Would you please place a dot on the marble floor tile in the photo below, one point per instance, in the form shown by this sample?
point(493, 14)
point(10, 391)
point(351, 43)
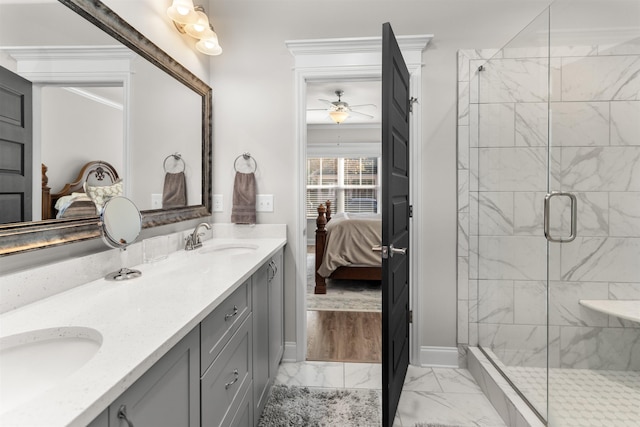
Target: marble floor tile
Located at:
point(456, 381)
point(421, 379)
point(312, 374)
point(458, 409)
point(430, 395)
point(363, 375)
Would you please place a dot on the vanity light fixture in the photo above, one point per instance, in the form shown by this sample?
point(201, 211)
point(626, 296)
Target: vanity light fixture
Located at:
point(193, 21)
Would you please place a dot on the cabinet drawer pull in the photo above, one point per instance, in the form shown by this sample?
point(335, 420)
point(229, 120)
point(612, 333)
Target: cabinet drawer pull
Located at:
point(229, 316)
point(229, 384)
point(122, 415)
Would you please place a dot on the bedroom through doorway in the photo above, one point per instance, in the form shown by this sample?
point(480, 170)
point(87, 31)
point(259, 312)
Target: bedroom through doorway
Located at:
point(343, 166)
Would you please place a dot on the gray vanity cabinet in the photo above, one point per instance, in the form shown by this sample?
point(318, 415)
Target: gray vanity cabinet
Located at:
point(268, 336)
point(226, 385)
point(276, 313)
point(226, 361)
point(168, 394)
point(260, 339)
point(220, 374)
point(101, 420)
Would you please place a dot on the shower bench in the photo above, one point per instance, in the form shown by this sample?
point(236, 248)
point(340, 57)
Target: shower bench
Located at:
point(625, 309)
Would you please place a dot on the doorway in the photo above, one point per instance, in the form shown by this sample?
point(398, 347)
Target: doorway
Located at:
point(343, 167)
point(324, 60)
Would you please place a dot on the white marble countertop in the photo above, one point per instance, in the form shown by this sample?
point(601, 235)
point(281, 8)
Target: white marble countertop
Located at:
point(139, 320)
point(625, 309)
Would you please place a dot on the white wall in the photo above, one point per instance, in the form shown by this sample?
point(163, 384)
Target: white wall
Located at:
point(254, 94)
point(93, 132)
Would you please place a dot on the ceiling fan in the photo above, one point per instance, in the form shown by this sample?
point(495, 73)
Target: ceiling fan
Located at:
point(339, 110)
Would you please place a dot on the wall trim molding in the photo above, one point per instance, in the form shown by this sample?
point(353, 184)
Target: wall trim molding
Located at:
point(290, 353)
point(441, 357)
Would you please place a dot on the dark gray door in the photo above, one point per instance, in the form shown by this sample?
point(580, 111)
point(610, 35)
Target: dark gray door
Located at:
point(15, 148)
point(395, 223)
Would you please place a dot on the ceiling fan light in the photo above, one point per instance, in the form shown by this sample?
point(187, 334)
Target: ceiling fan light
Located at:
point(338, 116)
point(183, 12)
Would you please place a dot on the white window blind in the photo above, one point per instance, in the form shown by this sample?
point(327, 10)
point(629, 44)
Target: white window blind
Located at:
point(351, 184)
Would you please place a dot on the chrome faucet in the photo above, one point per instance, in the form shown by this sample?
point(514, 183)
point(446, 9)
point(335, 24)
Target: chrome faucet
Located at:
point(193, 240)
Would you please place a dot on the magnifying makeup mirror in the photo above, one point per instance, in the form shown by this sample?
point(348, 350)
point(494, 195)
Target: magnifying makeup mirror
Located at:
point(121, 225)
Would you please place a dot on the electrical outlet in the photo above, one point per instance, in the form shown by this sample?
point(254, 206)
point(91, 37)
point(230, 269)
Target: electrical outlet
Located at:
point(264, 203)
point(156, 201)
point(217, 203)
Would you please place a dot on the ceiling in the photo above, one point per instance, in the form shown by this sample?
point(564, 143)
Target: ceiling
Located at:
point(355, 93)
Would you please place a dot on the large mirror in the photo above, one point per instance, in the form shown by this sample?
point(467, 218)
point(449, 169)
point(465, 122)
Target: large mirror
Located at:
point(106, 99)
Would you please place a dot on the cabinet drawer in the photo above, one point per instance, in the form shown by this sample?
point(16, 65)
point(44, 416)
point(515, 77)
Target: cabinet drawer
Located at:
point(227, 381)
point(244, 415)
point(221, 324)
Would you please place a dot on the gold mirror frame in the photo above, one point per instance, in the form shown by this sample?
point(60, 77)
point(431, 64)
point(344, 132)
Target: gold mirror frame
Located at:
point(21, 237)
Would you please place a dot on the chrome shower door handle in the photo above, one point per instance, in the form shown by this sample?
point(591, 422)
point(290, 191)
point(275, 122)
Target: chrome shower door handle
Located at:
point(547, 214)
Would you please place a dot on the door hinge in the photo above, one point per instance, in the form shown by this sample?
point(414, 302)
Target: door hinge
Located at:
point(412, 101)
point(410, 316)
point(410, 211)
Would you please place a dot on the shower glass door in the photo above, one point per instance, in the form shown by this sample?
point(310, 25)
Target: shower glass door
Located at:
point(594, 358)
point(555, 191)
point(511, 106)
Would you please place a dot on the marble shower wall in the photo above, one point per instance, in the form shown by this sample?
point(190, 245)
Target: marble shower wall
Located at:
point(504, 164)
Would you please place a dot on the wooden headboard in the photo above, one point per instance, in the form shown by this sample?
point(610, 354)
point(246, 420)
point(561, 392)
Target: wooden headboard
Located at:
point(97, 172)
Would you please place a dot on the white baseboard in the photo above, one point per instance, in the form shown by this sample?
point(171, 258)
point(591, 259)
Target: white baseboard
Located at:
point(290, 352)
point(440, 357)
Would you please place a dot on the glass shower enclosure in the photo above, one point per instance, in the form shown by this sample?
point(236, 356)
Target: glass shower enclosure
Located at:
point(554, 212)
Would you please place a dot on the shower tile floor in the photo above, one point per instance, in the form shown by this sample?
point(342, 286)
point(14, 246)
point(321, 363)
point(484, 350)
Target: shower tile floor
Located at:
point(583, 397)
point(439, 396)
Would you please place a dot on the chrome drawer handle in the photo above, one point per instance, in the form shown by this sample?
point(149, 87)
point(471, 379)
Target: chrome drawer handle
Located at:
point(122, 415)
point(229, 384)
point(229, 316)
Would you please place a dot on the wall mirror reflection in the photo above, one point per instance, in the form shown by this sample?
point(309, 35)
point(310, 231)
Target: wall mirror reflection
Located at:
point(87, 89)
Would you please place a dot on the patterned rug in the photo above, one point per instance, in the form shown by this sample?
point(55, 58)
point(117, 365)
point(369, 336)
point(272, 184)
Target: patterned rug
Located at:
point(343, 295)
point(301, 406)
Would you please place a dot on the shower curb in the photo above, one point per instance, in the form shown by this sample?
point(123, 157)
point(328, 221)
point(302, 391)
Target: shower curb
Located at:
point(512, 408)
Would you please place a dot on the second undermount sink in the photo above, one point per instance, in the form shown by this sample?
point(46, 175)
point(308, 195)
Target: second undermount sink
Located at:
point(230, 248)
point(35, 361)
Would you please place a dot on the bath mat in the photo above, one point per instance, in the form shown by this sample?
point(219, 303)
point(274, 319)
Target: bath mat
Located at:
point(343, 295)
point(302, 406)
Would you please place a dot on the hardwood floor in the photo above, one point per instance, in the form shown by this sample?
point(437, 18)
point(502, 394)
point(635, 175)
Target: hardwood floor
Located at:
point(344, 336)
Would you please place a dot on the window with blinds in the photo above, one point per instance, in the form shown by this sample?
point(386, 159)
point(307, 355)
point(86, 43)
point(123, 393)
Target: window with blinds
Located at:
point(351, 184)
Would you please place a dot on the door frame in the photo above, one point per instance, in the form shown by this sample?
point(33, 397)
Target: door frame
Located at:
point(354, 59)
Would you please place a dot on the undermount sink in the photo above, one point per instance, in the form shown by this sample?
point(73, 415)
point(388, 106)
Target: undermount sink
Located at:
point(35, 361)
point(230, 248)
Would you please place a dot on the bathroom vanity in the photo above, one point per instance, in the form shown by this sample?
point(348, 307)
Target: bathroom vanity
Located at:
point(196, 340)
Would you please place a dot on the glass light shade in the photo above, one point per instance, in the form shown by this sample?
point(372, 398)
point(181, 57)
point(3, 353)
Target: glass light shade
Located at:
point(199, 28)
point(209, 43)
point(182, 11)
point(209, 47)
point(338, 116)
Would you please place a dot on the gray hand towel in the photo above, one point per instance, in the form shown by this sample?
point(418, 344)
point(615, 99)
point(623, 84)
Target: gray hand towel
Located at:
point(174, 194)
point(244, 199)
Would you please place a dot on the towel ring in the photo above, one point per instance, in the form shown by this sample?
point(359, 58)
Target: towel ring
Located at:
point(177, 157)
point(246, 157)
